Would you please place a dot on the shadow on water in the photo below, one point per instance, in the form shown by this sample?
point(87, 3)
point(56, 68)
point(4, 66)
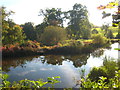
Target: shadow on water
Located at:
point(78, 61)
point(67, 67)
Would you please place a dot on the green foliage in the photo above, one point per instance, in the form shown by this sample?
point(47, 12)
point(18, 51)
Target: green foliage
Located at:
point(114, 30)
point(53, 80)
point(29, 43)
point(105, 28)
point(79, 25)
point(29, 31)
point(107, 70)
point(109, 31)
point(111, 66)
point(99, 39)
point(26, 83)
point(53, 35)
point(73, 43)
point(95, 73)
point(85, 27)
point(118, 34)
point(40, 29)
point(53, 16)
point(94, 31)
point(118, 63)
point(101, 83)
point(11, 32)
point(102, 77)
point(110, 34)
point(17, 50)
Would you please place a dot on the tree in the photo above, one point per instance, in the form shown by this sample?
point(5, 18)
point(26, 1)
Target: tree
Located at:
point(85, 27)
point(40, 29)
point(94, 31)
point(53, 35)
point(105, 28)
point(78, 21)
point(110, 34)
point(29, 31)
point(99, 39)
point(118, 35)
point(11, 32)
point(53, 16)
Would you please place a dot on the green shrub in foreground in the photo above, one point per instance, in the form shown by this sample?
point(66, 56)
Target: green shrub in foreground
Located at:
point(25, 84)
point(101, 83)
point(107, 70)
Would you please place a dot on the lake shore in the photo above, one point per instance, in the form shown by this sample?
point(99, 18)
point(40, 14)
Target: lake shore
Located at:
point(56, 50)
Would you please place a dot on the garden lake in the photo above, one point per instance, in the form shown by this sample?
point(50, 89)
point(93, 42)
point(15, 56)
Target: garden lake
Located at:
point(67, 67)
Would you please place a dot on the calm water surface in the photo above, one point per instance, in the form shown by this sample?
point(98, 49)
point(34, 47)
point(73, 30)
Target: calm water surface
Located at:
point(67, 67)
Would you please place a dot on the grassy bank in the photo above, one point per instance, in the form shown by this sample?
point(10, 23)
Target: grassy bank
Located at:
point(64, 48)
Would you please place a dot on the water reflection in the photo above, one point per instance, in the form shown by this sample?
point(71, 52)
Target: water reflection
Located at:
point(67, 67)
point(8, 63)
point(98, 52)
point(78, 61)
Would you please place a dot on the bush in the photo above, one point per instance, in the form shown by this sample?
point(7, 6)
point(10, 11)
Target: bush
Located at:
point(118, 36)
point(73, 43)
point(110, 34)
point(107, 70)
point(95, 73)
point(53, 35)
point(29, 43)
point(111, 67)
point(99, 39)
point(101, 84)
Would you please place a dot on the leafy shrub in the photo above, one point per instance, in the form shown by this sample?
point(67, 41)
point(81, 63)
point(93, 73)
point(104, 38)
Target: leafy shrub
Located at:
point(95, 73)
point(113, 82)
point(29, 43)
point(110, 34)
point(118, 63)
point(94, 31)
point(99, 39)
point(107, 70)
point(25, 84)
point(111, 67)
point(53, 35)
point(17, 50)
point(73, 43)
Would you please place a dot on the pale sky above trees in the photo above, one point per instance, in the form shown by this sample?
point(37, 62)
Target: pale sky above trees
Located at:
point(28, 10)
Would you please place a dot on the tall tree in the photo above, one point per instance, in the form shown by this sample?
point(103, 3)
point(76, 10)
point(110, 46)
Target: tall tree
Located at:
point(78, 20)
point(105, 28)
point(110, 34)
point(29, 31)
point(11, 32)
point(40, 29)
point(53, 16)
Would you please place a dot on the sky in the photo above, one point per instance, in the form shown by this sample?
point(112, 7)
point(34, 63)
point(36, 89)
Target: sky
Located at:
point(28, 10)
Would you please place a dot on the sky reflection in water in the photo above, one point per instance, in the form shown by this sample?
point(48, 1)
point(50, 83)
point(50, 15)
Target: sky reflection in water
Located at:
point(67, 67)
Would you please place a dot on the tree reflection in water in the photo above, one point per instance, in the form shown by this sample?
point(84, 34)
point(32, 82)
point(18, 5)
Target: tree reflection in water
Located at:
point(8, 63)
point(78, 61)
point(98, 53)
